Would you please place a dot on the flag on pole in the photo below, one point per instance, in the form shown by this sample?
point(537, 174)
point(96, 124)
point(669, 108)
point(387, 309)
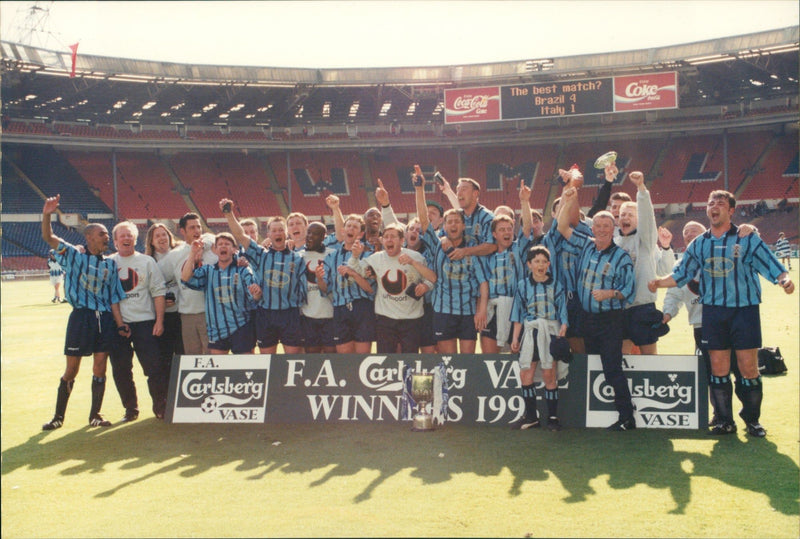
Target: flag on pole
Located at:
point(74, 49)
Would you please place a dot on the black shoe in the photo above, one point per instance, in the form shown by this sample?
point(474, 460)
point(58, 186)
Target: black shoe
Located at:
point(723, 427)
point(623, 424)
point(63, 300)
point(54, 423)
point(553, 424)
point(131, 414)
point(99, 421)
point(756, 430)
point(525, 423)
point(54, 300)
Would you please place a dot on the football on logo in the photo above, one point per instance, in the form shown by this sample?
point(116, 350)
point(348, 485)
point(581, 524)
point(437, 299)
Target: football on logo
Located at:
point(209, 404)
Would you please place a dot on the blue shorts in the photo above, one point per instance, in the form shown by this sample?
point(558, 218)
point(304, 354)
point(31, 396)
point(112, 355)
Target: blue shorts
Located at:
point(639, 322)
point(241, 341)
point(354, 322)
point(731, 328)
point(317, 331)
point(454, 326)
point(278, 326)
point(574, 316)
point(89, 332)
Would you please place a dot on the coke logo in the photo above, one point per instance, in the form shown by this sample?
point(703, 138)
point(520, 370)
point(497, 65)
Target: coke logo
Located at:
point(635, 89)
point(471, 103)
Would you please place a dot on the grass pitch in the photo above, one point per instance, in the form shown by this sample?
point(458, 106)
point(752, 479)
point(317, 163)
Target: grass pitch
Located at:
point(338, 479)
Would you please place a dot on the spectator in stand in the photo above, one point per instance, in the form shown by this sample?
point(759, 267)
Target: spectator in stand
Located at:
point(281, 274)
point(94, 291)
point(158, 243)
point(457, 317)
point(191, 302)
point(727, 267)
point(783, 250)
point(56, 277)
point(224, 285)
point(143, 318)
point(402, 278)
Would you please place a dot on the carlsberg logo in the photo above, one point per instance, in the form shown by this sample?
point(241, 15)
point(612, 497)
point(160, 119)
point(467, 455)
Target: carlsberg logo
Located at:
point(197, 385)
point(649, 394)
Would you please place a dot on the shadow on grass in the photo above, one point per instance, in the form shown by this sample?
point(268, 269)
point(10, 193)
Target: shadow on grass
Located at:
point(574, 457)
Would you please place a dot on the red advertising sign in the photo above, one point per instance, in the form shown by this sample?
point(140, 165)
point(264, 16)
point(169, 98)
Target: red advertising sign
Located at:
point(472, 105)
point(646, 92)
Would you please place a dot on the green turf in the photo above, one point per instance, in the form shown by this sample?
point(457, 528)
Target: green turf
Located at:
point(338, 479)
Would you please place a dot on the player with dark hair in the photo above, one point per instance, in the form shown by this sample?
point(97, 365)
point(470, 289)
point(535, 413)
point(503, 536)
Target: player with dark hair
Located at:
point(413, 237)
point(316, 314)
point(143, 315)
point(281, 274)
point(93, 289)
point(351, 293)
point(225, 285)
point(605, 283)
point(191, 303)
point(727, 267)
point(540, 308)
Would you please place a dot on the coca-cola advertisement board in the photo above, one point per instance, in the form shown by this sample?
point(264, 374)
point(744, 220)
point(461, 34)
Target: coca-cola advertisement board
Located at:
point(646, 92)
point(472, 105)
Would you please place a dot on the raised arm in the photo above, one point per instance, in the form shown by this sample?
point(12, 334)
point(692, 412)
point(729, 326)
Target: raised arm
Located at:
point(604, 193)
point(569, 203)
point(332, 201)
point(419, 198)
point(525, 208)
point(382, 196)
point(50, 206)
point(226, 205)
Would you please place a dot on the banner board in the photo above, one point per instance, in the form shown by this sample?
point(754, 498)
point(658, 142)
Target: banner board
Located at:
point(669, 391)
point(602, 95)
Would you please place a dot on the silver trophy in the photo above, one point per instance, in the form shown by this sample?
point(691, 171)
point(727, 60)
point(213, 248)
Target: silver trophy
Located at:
point(422, 393)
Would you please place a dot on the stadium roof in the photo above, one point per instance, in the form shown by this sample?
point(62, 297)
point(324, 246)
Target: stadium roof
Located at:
point(105, 90)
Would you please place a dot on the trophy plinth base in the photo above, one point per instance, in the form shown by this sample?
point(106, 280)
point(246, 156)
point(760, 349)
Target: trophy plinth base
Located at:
point(422, 422)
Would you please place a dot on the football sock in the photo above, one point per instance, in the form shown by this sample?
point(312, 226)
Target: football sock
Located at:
point(98, 390)
point(721, 393)
point(752, 394)
point(529, 397)
point(64, 391)
point(551, 397)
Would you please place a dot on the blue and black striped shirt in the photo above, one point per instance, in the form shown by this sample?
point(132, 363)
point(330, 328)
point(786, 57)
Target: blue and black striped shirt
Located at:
point(225, 293)
point(534, 300)
point(609, 269)
point(728, 267)
point(343, 289)
point(458, 281)
point(281, 275)
point(91, 281)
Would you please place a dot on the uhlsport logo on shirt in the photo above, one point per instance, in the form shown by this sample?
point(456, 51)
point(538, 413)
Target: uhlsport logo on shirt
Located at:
point(222, 389)
point(665, 393)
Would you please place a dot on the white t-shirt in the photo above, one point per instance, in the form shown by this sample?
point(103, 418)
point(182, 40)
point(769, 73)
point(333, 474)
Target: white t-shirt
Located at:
point(393, 279)
point(318, 305)
point(142, 281)
point(189, 301)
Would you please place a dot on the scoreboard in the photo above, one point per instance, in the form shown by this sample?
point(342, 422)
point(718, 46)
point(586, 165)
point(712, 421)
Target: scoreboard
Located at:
point(562, 98)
